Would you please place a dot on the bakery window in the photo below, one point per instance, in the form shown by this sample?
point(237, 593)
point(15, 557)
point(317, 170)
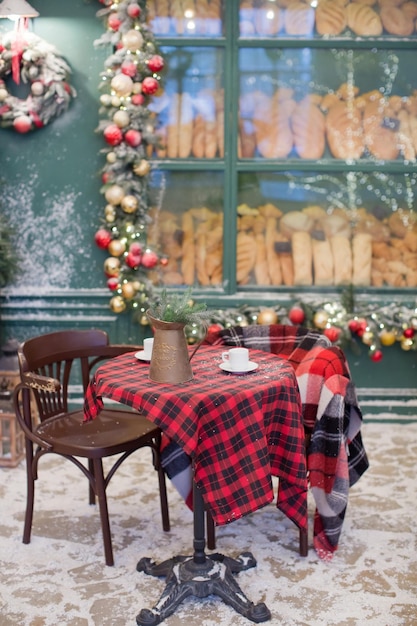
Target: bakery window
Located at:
point(190, 108)
point(327, 18)
point(333, 103)
point(185, 18)
point(187, 227)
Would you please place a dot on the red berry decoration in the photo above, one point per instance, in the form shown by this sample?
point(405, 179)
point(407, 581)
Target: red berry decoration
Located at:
point(150, 85)
point(135, 248)
point(133, 10)
point(113, 135)
point(23, 124)
point(149, 259)
point(296, 315)
point(332, 333)
point(114, 22)
point(409, 333)
point(128, 68)
point(113, 283)
point(376, 356)
point(102, 238)
point(132, 260)
point(137, 99)
point(133, 138)
point(156, 63)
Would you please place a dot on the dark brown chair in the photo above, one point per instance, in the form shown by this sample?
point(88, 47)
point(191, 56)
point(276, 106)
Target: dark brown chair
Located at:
point(46, 365)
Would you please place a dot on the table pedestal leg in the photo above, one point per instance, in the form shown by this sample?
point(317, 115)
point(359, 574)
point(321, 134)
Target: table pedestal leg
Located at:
point(200, 575)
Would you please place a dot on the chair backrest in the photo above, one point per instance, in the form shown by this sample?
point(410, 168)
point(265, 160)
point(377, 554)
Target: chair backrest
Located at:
point(46, 363)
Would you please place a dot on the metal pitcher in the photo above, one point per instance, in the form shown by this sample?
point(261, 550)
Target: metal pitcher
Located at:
point(170, 361)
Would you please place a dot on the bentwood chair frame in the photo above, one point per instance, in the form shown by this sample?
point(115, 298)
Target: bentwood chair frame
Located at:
point(46, 365)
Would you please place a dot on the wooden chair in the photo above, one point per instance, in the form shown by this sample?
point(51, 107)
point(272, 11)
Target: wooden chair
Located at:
point(46, 364)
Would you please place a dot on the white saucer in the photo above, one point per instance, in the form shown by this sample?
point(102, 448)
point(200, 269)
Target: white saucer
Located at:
point(250, 367)
point(141, 356)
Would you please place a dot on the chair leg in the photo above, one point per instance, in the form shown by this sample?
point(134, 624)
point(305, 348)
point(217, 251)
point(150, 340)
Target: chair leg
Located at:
point(303, 542)
point(211, 532)
point(163, 499)
point(31, 475)
point(104, 513)
point(91, 494)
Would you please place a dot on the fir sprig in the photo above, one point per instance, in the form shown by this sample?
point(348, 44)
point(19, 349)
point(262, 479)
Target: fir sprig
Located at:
point(9, 261)
point(180, 308)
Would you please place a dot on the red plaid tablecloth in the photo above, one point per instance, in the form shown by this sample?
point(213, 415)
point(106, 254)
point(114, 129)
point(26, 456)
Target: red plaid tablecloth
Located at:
point(238, 430)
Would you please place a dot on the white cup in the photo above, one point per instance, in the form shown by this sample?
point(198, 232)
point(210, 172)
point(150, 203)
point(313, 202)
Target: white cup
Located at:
point(237, 358)
point(148, 347)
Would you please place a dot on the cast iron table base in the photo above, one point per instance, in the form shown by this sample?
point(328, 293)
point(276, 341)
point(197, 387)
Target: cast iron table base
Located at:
point(200, 575)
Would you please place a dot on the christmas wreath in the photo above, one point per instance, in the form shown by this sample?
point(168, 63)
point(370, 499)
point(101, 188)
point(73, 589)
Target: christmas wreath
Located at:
point(35, 61)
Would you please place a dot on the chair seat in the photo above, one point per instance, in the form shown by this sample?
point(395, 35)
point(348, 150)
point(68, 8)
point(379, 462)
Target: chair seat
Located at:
point(108, 434)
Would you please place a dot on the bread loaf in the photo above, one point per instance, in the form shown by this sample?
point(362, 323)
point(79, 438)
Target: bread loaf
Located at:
point(272, 127)
point(330, 18)
point(344, 131)
point(380, 130)
point(302, 254)
point(362, 260)
point(396, 21)
point(274, 265)
point(172, 127)
point(299, 19)
point(295, 221)
point(246, 256)
point(269, 20)
point(322, 262)
point(363, 20)
point(342, 259)
point(261, 261)
point(308, 127)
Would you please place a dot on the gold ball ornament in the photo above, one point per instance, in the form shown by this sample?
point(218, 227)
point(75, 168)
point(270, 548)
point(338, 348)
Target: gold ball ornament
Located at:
point(129, 204)
point(368, 338)
point(320, 319)
point(144, 321)
point(111, 157)
point(37, 88)
point(128, 291)
point(110, 214)
point(413, 323)
point(115, 102)
point(137, 88)
point(116, 247)
point(142, 168)
point(114, 194)
point(3, 94)
point(387, 337)
point(121, 118)
point(112, 266)
point(266, 317)
point(132, 40)
point(117, 304)
point(122, 85)
point(406, 344)
point(105, 99)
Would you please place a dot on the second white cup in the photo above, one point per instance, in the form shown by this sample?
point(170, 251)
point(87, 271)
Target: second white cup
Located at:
point(148, 347)
point(238, 358)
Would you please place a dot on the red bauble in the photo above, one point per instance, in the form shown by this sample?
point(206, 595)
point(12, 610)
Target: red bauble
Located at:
point(409, 333)
point(156, 63)
point(23, 124)
point(332, 333)
point(128, 68)
point(358, 326)
point(102, 238)
point(113, 135)
point(114, 22)
point(133, 260)
point(150, 85)
point(137, 99)
point(149, 259)
point(133, 10)
point(213, 332)
point(376, 355)
point(113, 283)
point(106, 177)
point(133, 138)
point(296, 315)
point(135, 249)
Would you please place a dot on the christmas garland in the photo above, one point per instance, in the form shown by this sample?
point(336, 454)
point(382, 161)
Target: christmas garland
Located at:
point(130, 78)
point(37, 62)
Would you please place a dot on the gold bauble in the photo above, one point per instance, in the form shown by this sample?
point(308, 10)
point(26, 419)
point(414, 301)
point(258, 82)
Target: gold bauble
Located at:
point(267, 317)
point(128, 291)
point(115, 102)
point(112, 266)
point(122, 85)
point(114, 194)
point(111, 157)
point(117, 304)
point(116, 247)
point(368, 337)
point(142, 168)
point(137, 285)
point(132, 40)
point(105, 99)
point(129, 204)
point(406, 344)
point(110, 214)
point(121, 118)
point(144, 321)
point(387, 337)
point(320, 319)
point(137, 88)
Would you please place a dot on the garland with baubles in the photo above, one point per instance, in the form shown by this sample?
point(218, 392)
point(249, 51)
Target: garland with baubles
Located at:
point(38, 63)
point(132, 75)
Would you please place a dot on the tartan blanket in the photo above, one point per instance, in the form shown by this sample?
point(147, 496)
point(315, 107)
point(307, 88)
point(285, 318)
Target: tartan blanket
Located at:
point(336, 457)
